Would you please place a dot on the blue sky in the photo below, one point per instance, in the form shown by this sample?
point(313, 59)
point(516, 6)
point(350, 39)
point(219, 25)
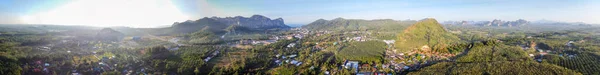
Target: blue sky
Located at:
point(296, 11)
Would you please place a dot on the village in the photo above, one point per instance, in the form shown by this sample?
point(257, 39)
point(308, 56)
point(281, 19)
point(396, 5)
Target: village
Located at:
point(318, 41)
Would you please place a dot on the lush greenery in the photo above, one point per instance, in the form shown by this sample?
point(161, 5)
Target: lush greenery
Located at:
point(493, 58)
point(368, 51)
point(340, 24)
point(427, 32)
point(494, 68)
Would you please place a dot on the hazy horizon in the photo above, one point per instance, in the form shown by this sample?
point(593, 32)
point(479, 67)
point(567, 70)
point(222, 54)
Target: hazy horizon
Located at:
point(158, 13)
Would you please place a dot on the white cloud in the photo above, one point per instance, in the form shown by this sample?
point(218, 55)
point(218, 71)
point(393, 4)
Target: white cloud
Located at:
point(103, 13)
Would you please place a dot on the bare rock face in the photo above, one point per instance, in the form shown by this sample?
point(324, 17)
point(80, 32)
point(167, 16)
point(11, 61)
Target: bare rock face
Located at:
point(218, 25)
point(254, 22)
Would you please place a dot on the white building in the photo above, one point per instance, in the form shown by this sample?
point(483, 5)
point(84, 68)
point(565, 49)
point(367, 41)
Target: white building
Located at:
point(291, 45)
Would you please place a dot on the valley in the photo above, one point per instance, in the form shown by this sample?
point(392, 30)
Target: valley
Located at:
point(260, 45)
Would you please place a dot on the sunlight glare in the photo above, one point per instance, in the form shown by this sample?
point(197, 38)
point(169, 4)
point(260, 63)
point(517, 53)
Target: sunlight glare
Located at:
point(105, 13)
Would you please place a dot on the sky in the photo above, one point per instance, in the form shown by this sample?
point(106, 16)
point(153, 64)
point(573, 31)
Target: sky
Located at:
point(155, 13)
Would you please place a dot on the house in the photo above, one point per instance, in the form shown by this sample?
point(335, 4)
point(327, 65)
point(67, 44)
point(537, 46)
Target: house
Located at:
point(358, 39)
point(389, 41)
point(351, 65)
point(298, 36)
point(215, 53)
point(531, 55)
point(265, 42)
point(45, 48)
point(298, 64)
point(289, 37)
point(294, 62)
point(291, 45)
point(245, 42)
point(207, 59)
point(571, 56)
point(570, 43)
point(274, 38)
point(385, 65)
point(405, 67)
point(543, 53)
point(278, 62)
point(292, 56)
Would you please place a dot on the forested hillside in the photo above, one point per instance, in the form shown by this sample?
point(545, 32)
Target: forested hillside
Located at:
point(494, 58)
point(341, 24)
point(427, 35)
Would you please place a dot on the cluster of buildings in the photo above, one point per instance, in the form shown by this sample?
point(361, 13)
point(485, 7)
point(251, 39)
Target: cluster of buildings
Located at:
point(289, 59)
point(358, 38)
point(364, 69)
point(541, 52)
point(256, 42)
point(39, 66)
point(214, 54)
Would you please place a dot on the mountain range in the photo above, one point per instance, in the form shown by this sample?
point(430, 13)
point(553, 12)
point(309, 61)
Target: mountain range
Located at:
point(341, 24)
point(516, 23)
point(494, 22)
point(218, 25)
point(254, 22)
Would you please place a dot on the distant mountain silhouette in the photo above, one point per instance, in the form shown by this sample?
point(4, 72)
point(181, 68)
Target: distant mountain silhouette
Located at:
point(108, 34)
point(340, 24)
point(218, 25)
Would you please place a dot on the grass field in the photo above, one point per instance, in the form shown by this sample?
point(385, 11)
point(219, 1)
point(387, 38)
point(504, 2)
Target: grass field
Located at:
point(368, 51)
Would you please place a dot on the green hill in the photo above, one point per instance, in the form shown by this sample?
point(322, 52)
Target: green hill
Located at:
point(494, 58)
point(108, 34)
point(427, 32)
point(340, 24)
point(206, 24)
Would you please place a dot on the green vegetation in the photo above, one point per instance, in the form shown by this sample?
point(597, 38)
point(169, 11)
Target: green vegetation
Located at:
point(9, 63)
point(204, 37)
point(490, 51)
point(210, 47)
point(340, 24)
point(494, 68)
point(368, 51)
point(586, 63)
point(427, 32)
point(494, 58)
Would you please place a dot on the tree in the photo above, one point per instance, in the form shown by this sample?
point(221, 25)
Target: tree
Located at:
point(196, 71)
